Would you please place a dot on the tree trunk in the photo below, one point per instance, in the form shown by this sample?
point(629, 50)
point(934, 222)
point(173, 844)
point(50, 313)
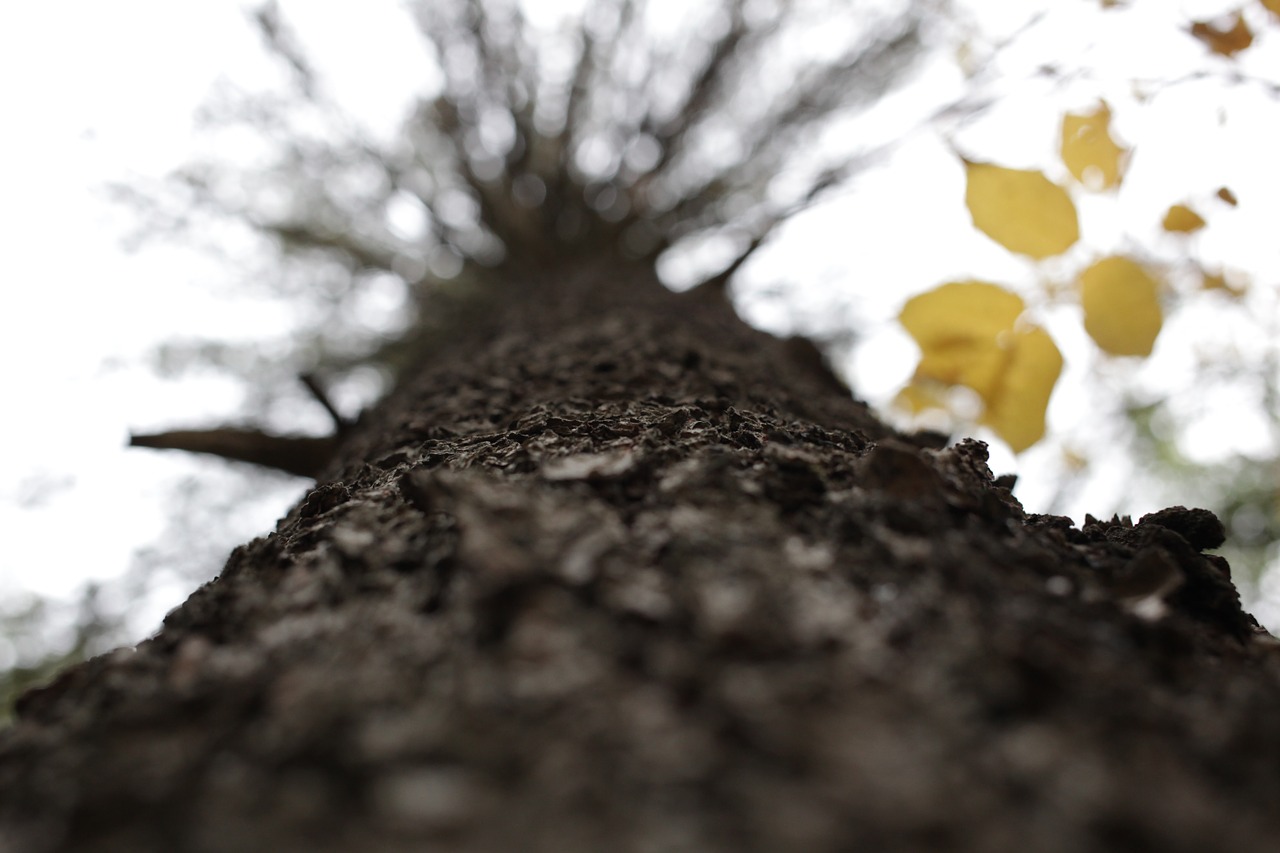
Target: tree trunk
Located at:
point(616, 572)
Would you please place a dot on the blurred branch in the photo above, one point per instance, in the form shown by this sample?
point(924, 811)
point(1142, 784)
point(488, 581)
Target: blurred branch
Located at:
point(707, 85)
point(281, 42)
point(515, 165)
point(305, 456)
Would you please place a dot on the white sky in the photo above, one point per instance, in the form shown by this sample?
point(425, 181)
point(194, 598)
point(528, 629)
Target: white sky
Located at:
point(96, 92)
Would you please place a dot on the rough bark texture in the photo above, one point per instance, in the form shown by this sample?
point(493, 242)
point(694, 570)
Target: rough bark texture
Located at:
point(617, 573)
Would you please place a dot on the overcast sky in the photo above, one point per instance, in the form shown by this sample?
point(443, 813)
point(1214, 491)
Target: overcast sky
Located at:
point(99, 92)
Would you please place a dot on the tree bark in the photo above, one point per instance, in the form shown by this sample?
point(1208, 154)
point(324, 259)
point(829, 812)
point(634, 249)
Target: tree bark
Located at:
point(616, 572)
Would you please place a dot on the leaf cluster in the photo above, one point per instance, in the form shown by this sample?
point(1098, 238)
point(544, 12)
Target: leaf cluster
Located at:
point(978, 335)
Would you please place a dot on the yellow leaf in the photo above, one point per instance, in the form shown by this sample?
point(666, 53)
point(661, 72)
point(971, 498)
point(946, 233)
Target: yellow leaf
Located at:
point(1224, 193)
point(1224, 41)
point(1213, 281)
point(1016, 411)
point(958, 327)
point(1121, 306)
point(918, 396)
point(1181, 219)
point(1272, 6)
point(1218, 281)
point(1021, 210)
point(968, 335)
point(983, 309)
point(1090, 154)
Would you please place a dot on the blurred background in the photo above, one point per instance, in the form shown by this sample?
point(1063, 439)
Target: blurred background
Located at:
point(202, 201)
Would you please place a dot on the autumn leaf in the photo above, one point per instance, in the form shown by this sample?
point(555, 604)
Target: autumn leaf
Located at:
point(1224, 193)
point(1213, 281)
point(1017, 411)
point(1090, 154)
point(969, 335)
point(1272, 6)
point(1218, 281)
point(1226, 42)
point(1181, 219)
point(1121, 306)
point(958, 327)
point(1021, 210)
point(919, 396)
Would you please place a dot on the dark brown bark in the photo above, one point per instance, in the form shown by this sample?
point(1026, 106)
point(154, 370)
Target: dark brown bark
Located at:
point(618, 573)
